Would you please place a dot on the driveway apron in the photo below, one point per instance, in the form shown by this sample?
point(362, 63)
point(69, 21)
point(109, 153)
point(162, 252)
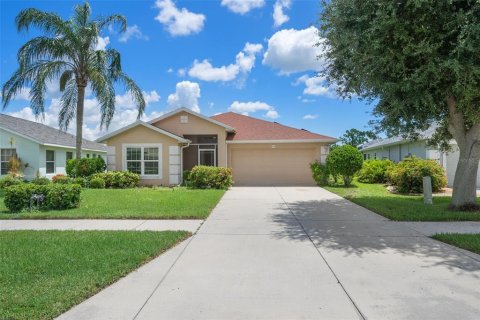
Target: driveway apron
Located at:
point(296, 253)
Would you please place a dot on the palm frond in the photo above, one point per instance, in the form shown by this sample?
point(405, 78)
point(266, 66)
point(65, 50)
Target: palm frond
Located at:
point(64, 78)
point(44, 48)
point(112, 20)
point(68, 109)
point(134, 89)
point(82, 14)
point(50, 22)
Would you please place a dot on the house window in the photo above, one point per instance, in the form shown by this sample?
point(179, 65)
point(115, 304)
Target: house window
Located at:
point(143, 160)
point(68, 156)
point(206, 157)
point(50, 161)
point(5, 156)
point(88, 155)
point(375, 155)
point(183, 119)
point(364, 156)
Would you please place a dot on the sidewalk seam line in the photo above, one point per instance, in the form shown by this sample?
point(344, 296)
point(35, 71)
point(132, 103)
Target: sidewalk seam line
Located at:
point(356, 307)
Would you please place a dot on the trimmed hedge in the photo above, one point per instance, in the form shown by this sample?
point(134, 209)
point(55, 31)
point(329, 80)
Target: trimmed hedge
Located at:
point(345, 161)
point(60, 179)
point(56, 196)
point(207, 177)
point(97, 183)
point(320, 173)
point(85, 167)
point(8, 181)
point(41, 181)
point(408, 175)
point(374, 171)
point(118, 179)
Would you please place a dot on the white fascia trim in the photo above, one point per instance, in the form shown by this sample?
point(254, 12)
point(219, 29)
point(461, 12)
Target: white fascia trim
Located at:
point(391, 144)
point(283, 141)
point(167, 115)
point(146, 125)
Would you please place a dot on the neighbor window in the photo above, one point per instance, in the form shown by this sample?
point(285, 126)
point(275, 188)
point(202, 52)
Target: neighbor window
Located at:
point(5, 156)
point(364, 156)
point(183, 119)
point(143, 160)
point(50, 161)
point(68, 156)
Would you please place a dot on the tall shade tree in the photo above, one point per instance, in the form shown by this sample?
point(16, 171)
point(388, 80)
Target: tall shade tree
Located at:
point(68, 53)
point(419, 61)
point(356, 138)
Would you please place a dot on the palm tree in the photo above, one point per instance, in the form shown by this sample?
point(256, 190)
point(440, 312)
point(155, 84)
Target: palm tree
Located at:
point(68, 54)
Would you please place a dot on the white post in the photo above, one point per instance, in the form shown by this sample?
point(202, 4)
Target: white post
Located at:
point(427, 190)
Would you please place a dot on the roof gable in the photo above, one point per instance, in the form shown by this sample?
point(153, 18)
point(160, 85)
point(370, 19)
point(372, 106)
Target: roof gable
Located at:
point(253, 129)
point(45, 135)
point(141, 123)
point(201, 116)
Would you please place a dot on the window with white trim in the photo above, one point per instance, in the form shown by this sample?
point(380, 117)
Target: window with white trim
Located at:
point(143, 160)
point(5, 156)
point(49, 161)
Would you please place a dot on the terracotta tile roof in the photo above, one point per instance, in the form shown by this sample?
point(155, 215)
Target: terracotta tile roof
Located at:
point(248, 128)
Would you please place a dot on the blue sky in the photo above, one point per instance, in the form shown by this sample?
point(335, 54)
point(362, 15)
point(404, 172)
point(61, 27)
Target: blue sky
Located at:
point(211, 56)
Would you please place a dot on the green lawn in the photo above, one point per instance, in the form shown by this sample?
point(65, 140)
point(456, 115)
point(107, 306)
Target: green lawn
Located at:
point(44, 273)
point(469, 242)
point(140, 203)
point(401, 207)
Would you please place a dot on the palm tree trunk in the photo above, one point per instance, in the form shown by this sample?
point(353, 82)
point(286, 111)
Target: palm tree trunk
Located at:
point(80, 103)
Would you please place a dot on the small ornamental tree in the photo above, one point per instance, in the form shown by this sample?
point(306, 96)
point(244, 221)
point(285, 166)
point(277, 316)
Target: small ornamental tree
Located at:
point(345, 161)
point(419, 62)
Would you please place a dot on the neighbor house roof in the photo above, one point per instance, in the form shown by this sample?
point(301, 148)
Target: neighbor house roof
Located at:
point(45, 135)
point(387, 142)
point(257, 130)
point(167, 115)
point(146, 125)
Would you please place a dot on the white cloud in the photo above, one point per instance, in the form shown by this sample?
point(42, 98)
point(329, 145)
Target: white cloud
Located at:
point(279, 17)
point(178, 22)
point(310, 116)
point(316, 86)
point(170, 70)
point(125, 114)
point(102, 43)
point(181, 72)
point(244, 63)
point(132, 32)
point(292, 50)
point(186, 96)
point(246, 108)
point(242, 6)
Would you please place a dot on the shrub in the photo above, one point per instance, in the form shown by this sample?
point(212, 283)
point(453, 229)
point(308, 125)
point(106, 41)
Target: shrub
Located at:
point(374, 171)
point(320, 173)
point(118, 179)
point(186, 177)
point(41, 181)
point(408, 175)
point(56, 196)
point(8, 181)
point(345, 161)
point(61, 197)
point(80, 181)
point(85, 167)
point(60, 179)
point(211, 177)
point(97, 183)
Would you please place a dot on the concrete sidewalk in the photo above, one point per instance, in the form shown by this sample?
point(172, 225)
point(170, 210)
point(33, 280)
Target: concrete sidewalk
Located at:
point(101, 224)
point(296, 253)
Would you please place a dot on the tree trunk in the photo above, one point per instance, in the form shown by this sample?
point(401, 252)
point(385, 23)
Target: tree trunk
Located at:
point(465, 182)
point(80, 103)
point(468, 141)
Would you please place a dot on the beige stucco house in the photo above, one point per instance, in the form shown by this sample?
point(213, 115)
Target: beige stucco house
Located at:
point(259, 152)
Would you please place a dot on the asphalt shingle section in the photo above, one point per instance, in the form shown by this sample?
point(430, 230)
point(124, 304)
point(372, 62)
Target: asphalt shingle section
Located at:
point(45, 134)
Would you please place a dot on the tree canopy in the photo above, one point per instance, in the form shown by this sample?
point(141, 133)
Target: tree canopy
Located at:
point(355, 137)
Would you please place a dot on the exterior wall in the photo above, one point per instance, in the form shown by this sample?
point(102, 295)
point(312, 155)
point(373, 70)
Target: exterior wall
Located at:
point(141, 135)
point(397, 153)
point(196, 126)
point(34, 155)
point(274, 164)
point(27, 151)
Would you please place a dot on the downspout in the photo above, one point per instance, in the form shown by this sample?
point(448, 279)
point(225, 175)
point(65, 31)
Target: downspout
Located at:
point(181, 160)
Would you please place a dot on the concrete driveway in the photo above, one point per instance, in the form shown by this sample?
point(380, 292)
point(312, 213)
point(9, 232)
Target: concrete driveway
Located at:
point(296, 253)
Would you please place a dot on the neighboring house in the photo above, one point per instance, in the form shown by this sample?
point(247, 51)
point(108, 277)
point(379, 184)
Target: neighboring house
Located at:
point(42, 150)
point(259, 152)
point(397, 148)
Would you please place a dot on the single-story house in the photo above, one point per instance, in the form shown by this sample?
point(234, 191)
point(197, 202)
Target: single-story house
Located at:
point(259, 152)
point(43, 150)
point(397, 148)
